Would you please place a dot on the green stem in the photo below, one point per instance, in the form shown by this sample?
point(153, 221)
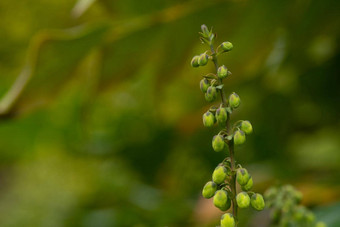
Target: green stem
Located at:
point(231, 143)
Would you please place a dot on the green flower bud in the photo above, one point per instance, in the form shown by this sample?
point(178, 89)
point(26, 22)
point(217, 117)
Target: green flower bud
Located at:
point(211, 94)
point(227, 220)
point(205, 30)
point(320, 224)
point(203, 59)
point(194, 61)
point(243, 200)
point(222, 72)
point(234, 100)
point(219, 174)
point(249, 185)
point(204, 85)
point(227, 46)
point(218, 143)
point(239, 137)
point(221, 115)
point(221, 200)
point(209, 190)
point(208, 119)
point(242, 176)
point(257, 202)
point(246, 127)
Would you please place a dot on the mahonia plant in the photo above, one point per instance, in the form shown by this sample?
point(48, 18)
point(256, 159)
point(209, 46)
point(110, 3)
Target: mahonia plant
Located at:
point(286, 210)
point(223, 185)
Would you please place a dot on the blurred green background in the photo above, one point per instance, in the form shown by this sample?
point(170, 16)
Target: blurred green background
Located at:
point(107, 130)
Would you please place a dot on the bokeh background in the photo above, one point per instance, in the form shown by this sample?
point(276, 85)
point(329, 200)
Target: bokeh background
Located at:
point(103, 126)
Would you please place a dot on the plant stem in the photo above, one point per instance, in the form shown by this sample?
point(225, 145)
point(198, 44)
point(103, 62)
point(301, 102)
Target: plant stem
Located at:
point(229, 131)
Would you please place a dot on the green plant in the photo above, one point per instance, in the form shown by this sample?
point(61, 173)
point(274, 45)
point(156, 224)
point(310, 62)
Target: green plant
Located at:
point(286, 210)
point(227, 173)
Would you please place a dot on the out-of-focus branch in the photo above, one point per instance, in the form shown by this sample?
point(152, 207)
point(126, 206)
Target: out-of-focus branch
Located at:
point(118, 31)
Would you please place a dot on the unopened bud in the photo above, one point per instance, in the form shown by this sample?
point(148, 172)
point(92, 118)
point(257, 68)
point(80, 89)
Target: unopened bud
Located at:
point(194, 61)
point(208, 119)
point(204, 84)
point(209, 190)
point(243, 200)
point(218, 143)
point(227, 220)
point(242, 176)
point(234, 100)
point(219, 174)
point(227, 46)
point(257, 201)
point(246, 127)
point(239, 137)
point(222, 72)
point(221, 115)
point(203, 59)
point(211, 93)
point(204, 29)
point(249, 185)
point(221, 200)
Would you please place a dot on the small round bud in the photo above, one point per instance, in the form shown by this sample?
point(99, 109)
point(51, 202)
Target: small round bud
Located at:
point(249, 185)
point(209, 190)
point(210, 95)
point(257, 201)
point(320, 224)
point(227, 220)
point(204, 84)
point(222, 72)
point(243, 200)
point(227, 46)
point(203, 59)
point(234, 100)
point(219, 174)
point(221, 200)
point(242, 176)
point(246, 127)
point(239, 137)
point(208, 119)
point(221, 115)
point(218, 143)
point(194, 61)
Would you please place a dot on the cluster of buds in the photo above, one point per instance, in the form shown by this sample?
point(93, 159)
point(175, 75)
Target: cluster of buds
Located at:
point(284, 202)
point(220, 188)
point(223, 185)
